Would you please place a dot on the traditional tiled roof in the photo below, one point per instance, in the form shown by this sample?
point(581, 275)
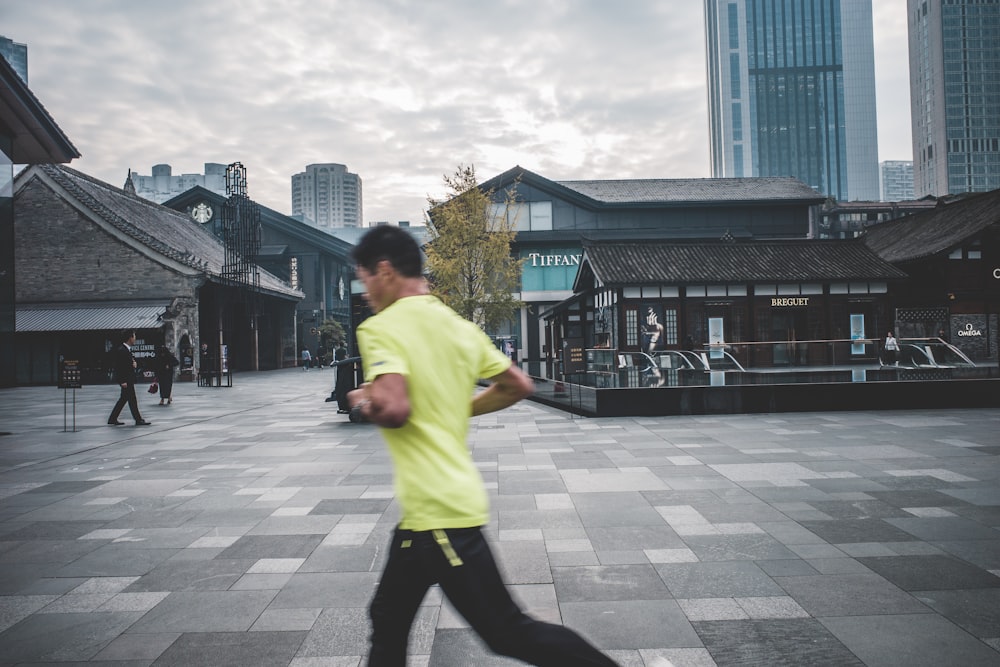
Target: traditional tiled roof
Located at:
point(651, 192)
point(700, 190)
point(35, 137)
point(936, 231)
point(775, 261)
point(167, 232)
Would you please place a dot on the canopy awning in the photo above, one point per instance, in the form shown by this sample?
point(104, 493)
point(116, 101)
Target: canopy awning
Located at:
point(89, 316)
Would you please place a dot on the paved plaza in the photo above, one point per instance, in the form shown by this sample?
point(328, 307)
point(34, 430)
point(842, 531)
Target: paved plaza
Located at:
point(247, 527)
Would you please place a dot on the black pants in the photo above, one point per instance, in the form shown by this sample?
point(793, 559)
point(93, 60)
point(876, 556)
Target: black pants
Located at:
point(460, 561)
point(127, 396)
point(166, 381)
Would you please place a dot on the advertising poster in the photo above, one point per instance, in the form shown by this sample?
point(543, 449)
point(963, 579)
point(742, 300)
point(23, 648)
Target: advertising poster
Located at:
point(857, 333)
point(651, 328)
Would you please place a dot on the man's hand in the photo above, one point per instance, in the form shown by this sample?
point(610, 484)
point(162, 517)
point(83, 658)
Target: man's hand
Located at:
point(385, 401)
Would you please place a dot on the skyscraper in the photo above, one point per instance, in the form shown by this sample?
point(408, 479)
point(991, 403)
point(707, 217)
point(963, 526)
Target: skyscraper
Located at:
point(17, 55)
point(896, 180)
point(791, 92)
point(327, 195)
point(955, 95)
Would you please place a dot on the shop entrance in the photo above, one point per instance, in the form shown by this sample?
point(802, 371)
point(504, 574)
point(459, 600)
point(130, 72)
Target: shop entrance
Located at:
point(788, 327)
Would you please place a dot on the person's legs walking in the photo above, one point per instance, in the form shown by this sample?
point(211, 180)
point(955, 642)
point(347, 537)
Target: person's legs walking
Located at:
point(119, 406)
point(402, 587)
point(476, 590)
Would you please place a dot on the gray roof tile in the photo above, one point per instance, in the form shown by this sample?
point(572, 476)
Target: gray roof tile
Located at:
point(932, 232)
point(164, 230)
point(775, 261)
point(684, 190)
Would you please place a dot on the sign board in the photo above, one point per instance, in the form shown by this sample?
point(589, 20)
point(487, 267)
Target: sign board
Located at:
point(69, 374)
point(574, 356)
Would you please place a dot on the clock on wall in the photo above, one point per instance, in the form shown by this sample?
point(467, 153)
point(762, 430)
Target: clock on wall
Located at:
point(201, 212)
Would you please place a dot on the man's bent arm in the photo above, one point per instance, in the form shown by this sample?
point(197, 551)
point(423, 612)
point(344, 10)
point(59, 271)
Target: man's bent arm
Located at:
point(385, 401)
point(507, 389)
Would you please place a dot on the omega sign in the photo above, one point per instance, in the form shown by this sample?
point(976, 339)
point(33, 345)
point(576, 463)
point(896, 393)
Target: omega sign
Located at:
point(538, 259)
point(970, 330)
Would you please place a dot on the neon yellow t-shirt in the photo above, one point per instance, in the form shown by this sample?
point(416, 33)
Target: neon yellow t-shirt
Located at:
point(442, 356)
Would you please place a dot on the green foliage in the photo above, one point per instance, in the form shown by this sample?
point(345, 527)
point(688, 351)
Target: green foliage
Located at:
point(331, 333)
point(469, 256)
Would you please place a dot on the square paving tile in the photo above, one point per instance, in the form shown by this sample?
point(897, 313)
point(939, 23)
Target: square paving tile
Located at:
point(232, 649)
point(717, 580)
point(272, 546)
point(850, 595)
point(922, 640)
point(978, 611)
point(926, 573)
point(214, 611)
point(636, 624)
point(62, 637)
point(775, 643)
point(845, 531)
point(609, 582)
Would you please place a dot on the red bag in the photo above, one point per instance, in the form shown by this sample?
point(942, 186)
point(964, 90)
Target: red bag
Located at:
point(153, 388)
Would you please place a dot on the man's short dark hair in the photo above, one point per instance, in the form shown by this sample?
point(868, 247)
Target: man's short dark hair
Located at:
point(125, 334)
point(392, 244)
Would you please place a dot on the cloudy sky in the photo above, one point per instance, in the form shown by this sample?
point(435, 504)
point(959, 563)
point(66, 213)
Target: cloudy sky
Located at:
point(400, 91)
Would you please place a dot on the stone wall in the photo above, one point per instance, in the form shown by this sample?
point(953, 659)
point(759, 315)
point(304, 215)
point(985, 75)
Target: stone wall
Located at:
point(63, 256)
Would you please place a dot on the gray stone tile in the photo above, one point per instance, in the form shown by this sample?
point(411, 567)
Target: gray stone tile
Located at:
point(737, 547)
point(921, 640)
point(137, 647)
point(977, 611)
point(634, 537)
point(777, 643)
point(609, 582)
point(212, 575)
point(62, 637)
point(337, 632)
point(215, 611)
point(944, 529)
point(984, 553)
point(715, 580)
point(857, 530)
point(116, 560)
point(231, 649)
point(637, 624)
point(926, 573)
point(328, 589)
point(365, 558)
point(850, 595)
point(272, 546)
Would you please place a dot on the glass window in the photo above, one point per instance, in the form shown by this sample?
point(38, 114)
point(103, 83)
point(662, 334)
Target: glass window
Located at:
point(670, 292)
point(696, 290)
point(737, 290)
point(541, 215)
point(650, 292)
point(811, 288)
point(670, 326)
point(785, 290)
point(955, 254)
point(765, 290)
point(838, 288)
point(631, 293)
point(716, 290)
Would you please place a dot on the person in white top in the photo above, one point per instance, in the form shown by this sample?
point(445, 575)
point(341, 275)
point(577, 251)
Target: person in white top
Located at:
point(891, 348)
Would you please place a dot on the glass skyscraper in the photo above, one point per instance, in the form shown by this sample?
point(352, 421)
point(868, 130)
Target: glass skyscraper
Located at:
point(791, 90)
point(955, 95)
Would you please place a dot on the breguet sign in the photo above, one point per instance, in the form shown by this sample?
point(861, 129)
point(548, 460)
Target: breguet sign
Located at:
point(790, 301)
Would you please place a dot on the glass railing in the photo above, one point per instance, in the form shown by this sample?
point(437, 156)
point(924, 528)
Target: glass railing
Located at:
point(758, 363)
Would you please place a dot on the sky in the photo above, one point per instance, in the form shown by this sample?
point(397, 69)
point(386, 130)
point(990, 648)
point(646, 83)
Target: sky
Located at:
point(403, 92)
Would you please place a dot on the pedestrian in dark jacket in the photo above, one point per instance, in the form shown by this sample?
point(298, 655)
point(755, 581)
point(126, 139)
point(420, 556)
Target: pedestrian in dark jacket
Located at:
point(164, 364)
point(123, 366)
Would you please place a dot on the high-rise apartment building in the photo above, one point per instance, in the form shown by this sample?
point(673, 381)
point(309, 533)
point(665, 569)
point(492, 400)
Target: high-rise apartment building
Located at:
point(17, 55)
point(955, 95)
point(163, 185)
point(896, 180)
point(791, 92)
point(327, 195)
